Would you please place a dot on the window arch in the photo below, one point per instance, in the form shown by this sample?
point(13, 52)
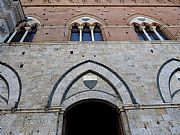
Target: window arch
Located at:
point(25, 31)
point(148, 29)
point(86, 29)
point(86, 33)
point(98, 33)
point(75, 33)
point(19, 34)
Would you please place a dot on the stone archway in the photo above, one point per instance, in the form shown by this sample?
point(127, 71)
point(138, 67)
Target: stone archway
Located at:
point(71, 90)
point(70, 77)
point(92, 117)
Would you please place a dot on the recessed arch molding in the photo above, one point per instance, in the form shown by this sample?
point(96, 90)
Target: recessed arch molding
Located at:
point(84, 73)
point(13, 82)
point(62, 86)
point(164, 76)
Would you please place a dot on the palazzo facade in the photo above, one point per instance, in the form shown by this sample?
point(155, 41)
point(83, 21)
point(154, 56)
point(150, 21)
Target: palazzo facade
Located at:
point(89, 67)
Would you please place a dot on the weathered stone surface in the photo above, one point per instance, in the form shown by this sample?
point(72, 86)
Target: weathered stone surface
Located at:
point(44, 65)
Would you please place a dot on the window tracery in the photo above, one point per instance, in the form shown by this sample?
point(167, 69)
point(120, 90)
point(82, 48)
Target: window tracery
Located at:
point(148, 29)
point(86, 29)
point(25, 31)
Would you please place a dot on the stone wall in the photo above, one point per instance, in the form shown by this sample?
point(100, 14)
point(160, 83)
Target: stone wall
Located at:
point(41, 80)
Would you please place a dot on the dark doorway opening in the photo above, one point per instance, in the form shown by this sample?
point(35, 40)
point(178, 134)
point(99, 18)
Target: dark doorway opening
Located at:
point(92, 118)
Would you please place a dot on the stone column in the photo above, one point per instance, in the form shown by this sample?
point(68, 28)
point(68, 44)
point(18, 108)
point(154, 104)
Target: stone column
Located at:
point(25, 34)
point(92, 33)
point(80, 33)
point(157, 34)
point(60, 122)
point(143, 29)
point(12, 36)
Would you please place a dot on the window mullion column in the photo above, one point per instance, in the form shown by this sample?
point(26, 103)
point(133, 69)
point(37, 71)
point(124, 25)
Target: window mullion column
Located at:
point(92, 33)
point(157, 34)
point(143, 29)
point(80, 33)
point(12, 36)
point(25, 34)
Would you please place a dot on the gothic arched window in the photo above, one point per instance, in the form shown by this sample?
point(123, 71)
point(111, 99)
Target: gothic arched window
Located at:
point(86, 29)
point(18, 36)
point(25, 32)
point(86, 33)
point(75, 33)
point(148, 29)
point(22, 34)
point(97, 33)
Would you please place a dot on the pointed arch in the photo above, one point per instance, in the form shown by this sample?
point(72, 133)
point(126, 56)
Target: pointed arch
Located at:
point(92, 94)
point(94, 116)
point(72, 75)
point(12, 79)
point(164, 76)
point(101, 21)
point(153, 19)
point(149, 28)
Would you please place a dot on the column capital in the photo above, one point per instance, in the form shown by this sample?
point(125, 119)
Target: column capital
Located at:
point(16, 29)
point(80, 27)
point(91, 27)
point(153, 27)
point(27, 28)
point(142, 27)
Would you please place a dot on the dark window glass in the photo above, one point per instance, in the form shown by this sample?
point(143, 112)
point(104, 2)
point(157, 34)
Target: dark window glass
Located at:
point(140, 33)
point(86, 33)
point(8, 37)
point(30, 35)
point(97, 34)
point(19, 35)
point(161, 33)
point(151, 33)
point(75, 33)
point(142, 36)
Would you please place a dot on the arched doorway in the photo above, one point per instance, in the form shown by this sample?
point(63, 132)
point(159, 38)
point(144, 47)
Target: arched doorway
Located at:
point(92, 117)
